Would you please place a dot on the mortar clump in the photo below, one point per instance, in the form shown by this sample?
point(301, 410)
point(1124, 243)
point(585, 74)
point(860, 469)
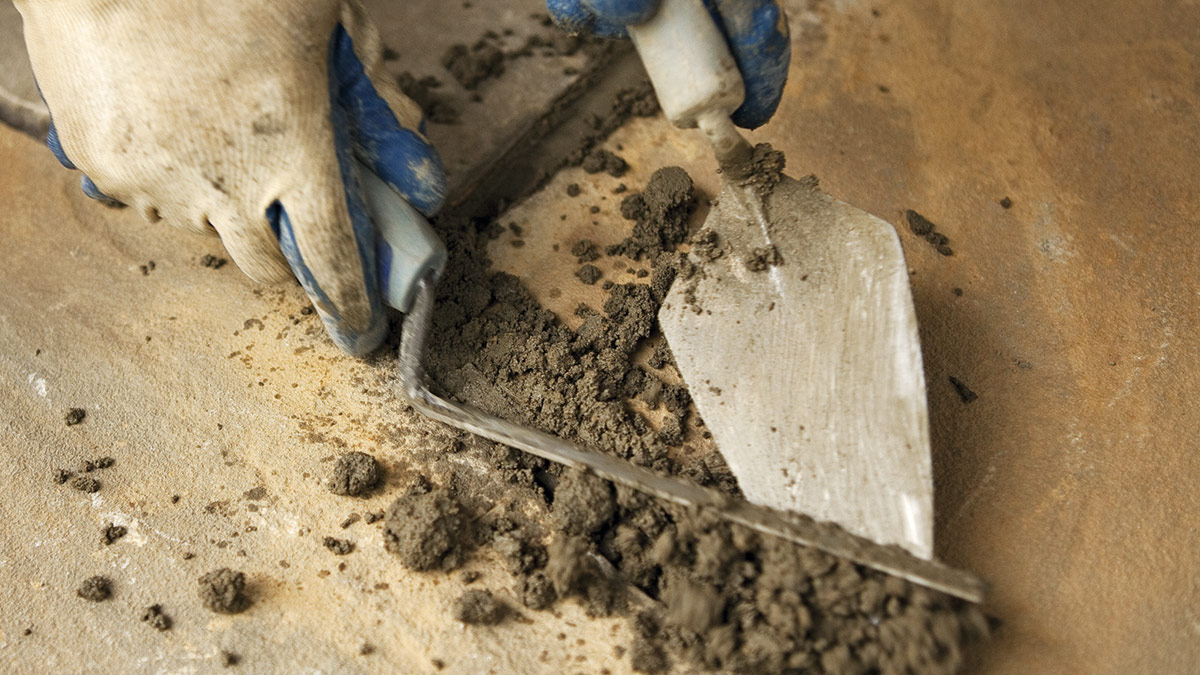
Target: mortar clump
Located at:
point(224, 591)
point(589, 274)
point(112, 533)
point(762, 258)
point(354, 474)
point(606, 161)
point(537, 591)
point(427, 530)
point(156, 617)
point(583, 503)
point(745, 602)
point(660, 213)
point(86, 484)
point(766, 168)
point(478, 607)
point(472, 65)
point(338, 546)
point(95, 589)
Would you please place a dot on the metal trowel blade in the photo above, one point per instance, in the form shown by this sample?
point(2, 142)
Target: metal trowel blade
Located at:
point(808, 373)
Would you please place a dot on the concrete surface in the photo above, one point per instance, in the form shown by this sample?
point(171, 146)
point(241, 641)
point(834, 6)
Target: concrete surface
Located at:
point(1070, 483)
point(20, 104)
point(203, 386)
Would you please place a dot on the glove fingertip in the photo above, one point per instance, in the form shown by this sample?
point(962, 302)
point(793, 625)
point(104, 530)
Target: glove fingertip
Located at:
point(89, 188)
point(353, 342)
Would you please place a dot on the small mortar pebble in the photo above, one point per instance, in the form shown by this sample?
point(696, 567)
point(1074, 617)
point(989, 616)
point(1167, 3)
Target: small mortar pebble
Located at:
point(338, 546)
point(112, 533)
point(354, 474)
point(155, 616)
point(95, 589)
point(86, 484)
point(223, 591)
point(478, 607)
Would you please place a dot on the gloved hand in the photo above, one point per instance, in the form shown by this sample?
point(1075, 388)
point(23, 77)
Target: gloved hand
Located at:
point(242, 116)
point(756, 30)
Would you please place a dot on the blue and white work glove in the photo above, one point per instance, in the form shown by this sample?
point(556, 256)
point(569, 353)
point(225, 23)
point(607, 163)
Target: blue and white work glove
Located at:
point(244, 117)
point(756, 30)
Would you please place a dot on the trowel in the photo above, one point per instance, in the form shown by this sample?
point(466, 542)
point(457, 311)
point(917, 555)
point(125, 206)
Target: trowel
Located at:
point(807, 373)
point(799, 344)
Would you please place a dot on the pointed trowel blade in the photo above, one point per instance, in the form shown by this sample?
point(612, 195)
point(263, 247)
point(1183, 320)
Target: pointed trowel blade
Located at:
point(808, 372)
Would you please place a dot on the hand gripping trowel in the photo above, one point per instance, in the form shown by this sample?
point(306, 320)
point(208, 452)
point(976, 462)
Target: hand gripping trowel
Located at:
point(821, 409)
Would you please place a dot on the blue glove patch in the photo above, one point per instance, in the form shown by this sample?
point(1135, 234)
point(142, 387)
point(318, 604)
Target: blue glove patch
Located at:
point(364, 126)
point(352, 342)
point(623, 12)
point(575, 18)
point(399, 156)
point(55, 146)
point(756, 30)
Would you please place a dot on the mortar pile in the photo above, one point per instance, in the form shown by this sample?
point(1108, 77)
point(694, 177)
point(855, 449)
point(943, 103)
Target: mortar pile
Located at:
point(700, 590)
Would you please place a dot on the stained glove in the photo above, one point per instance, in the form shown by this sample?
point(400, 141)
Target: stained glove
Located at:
point(243, 117)
point(756, 30)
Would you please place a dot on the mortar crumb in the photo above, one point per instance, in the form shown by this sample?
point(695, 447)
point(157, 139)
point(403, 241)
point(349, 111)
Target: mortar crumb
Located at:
point(354, 474)
point(964, 392)
point(155, 616)
point(86, 484)
point(95, 589)
point(338, 546)
point(605, 160)
point(479, 607)
point(223, 591)
point(212, 262)
point(112, 533)
point(589, 274)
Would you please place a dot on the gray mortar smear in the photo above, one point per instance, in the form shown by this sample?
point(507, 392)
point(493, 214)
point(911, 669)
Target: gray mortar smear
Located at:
point(720, 596)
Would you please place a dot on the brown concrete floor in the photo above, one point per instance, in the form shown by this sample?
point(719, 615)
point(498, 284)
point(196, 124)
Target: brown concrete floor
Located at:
point(1070, 483)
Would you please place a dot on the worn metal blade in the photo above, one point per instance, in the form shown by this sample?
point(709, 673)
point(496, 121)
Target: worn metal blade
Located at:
point(809, 373)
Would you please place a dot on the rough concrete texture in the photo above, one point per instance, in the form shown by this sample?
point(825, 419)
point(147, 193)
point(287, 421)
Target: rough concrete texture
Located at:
point(1070, 482)
point(206, 411)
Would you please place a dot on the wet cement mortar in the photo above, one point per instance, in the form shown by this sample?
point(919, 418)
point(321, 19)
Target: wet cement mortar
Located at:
point(701, 593)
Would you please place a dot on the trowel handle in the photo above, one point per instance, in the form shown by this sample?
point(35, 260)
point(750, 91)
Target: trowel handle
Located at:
point(689, 62)
point(407, 249)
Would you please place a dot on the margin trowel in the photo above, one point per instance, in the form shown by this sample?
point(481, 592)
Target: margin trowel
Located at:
point(821, 412)
point(807, 372)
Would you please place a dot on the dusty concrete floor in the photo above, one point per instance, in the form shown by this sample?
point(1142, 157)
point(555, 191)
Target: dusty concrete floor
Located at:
point(1070, 483)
